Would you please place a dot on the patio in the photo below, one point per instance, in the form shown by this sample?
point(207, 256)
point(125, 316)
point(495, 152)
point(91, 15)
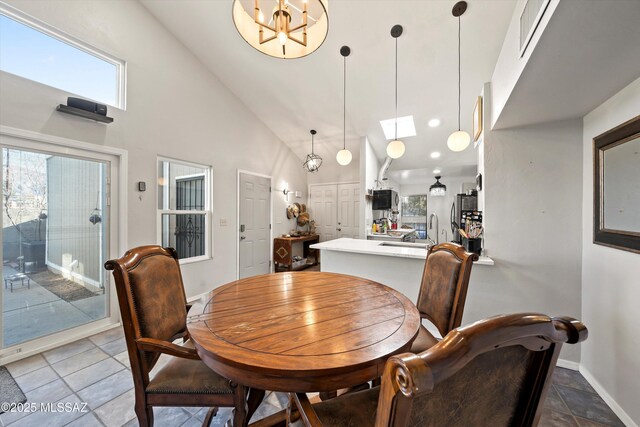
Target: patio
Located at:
point(34, 311)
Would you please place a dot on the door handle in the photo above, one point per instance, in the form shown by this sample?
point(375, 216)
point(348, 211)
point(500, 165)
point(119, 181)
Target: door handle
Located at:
point(339, 229)
point(242, 237)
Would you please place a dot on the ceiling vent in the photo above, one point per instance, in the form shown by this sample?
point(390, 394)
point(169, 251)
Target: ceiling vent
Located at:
point(531, 16)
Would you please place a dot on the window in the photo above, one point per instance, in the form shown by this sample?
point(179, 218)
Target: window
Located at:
point(35, 51)
point(184, 208)
point(413, 213)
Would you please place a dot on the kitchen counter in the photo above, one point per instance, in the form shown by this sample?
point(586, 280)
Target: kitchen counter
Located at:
point(395, 264)
point(376, 247)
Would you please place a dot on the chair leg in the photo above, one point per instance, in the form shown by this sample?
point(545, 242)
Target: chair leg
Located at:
point(240, 418)
point(211, 413)
point(254, 400)
point(145, 415)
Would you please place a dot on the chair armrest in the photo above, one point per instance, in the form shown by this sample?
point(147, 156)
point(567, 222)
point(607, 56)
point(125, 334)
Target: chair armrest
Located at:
point(166, 347)
point(307, 413)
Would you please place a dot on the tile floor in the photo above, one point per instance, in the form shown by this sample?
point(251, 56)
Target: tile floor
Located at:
point(96, 371)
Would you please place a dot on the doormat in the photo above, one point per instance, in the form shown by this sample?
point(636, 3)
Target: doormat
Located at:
point(63, 288)
point(11, 392)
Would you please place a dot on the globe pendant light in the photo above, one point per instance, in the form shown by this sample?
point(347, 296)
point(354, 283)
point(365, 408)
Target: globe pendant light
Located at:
point(312, 162)
point(344, 156)
point(460, 139)
point(395, 149)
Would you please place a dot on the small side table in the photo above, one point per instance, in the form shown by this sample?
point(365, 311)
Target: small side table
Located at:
point(8, 281)
point(283, 251)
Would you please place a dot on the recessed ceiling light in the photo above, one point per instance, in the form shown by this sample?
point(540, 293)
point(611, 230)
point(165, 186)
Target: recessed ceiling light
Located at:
point(434, 123)
point(405, 127)
point(435, 154)
point(437, 171)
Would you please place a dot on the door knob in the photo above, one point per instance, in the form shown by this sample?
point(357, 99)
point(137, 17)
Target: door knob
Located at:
point(339, 229)
point(242, 237)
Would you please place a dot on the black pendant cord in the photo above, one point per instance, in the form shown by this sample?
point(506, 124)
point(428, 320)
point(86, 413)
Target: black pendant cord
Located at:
point(459, 74)
point(344, 106)
point(396, 121)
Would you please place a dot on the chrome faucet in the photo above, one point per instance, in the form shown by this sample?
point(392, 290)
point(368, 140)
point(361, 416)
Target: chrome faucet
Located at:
point(431, 226)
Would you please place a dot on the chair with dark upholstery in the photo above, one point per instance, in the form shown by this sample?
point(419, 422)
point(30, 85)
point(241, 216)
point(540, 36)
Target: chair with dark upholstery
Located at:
point(154, 309)
point(495, 372)
point(443, 291)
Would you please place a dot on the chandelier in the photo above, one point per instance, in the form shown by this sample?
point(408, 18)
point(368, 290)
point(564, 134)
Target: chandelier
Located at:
point(438, 189)
point(312, 162)
point(282, 28)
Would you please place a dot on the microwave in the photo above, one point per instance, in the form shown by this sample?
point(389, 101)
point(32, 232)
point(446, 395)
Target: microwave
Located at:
point(385, 200)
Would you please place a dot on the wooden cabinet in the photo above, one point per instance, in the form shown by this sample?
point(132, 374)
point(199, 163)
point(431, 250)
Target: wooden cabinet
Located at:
point(283, 252)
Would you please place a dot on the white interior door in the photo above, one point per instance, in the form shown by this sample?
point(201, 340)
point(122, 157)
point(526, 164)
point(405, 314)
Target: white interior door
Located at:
point(254, 224)
point(348, 210)
point(323, 209)
point(335, 208)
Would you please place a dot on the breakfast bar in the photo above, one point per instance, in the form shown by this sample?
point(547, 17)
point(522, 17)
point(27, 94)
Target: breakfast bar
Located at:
point(396, 264)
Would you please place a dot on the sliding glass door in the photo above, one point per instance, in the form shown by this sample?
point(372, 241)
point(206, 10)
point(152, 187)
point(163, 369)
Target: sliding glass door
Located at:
point(56, 217)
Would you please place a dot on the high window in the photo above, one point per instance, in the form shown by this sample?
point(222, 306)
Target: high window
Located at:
point(413, 211)
point(38, 52)
point(184, 208)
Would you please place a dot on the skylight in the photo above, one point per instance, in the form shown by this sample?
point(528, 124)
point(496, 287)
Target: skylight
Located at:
point(405, 127)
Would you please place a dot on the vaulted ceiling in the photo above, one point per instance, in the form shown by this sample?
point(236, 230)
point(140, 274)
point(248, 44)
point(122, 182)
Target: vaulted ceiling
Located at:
point(293, 96)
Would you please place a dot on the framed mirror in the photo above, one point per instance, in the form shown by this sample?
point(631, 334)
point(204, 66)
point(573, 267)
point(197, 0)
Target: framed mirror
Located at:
point(616, 187)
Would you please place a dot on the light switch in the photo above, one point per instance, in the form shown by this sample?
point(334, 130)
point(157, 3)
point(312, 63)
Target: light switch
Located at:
point(223, 222)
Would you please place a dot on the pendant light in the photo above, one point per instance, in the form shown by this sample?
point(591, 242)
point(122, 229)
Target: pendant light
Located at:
point(395, 149)
point(460, 139)
point(312, 162)
point(438, 189)
point(344, 156)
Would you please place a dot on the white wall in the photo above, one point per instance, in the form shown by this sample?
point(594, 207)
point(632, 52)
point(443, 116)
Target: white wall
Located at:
point(510, 64)
point(610, 279)
point(532, 230)
point(369, 167)
point(175, 108)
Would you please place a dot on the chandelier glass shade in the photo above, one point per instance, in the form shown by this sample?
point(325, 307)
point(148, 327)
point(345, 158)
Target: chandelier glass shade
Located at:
point(282, 28)
point(438, 189)
point(395, 149)
point(312, 162)
point(344, 157)
point(458, 140)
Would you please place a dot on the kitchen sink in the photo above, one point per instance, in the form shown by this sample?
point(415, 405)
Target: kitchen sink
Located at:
point(405, 245)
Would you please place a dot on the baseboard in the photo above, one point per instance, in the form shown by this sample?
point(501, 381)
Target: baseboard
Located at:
point(568, 364)
point(624, 417)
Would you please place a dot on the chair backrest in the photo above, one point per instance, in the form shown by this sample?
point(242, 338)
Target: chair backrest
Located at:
point(152, 301)
point(443, 290)
point(492, 373)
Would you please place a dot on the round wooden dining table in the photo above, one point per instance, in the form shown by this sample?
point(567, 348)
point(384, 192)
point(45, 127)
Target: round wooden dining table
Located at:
point(302, 331)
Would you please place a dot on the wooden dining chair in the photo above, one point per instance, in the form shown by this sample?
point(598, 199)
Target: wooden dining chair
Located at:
point(495, 372)
point(443, 291)
point(154, 309)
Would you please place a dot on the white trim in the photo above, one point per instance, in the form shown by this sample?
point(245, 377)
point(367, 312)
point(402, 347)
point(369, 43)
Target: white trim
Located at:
point(568, 364)
point(270, 178)
point(208, 205)
point(624, 417)
point(14, 353)
point(49, 30)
